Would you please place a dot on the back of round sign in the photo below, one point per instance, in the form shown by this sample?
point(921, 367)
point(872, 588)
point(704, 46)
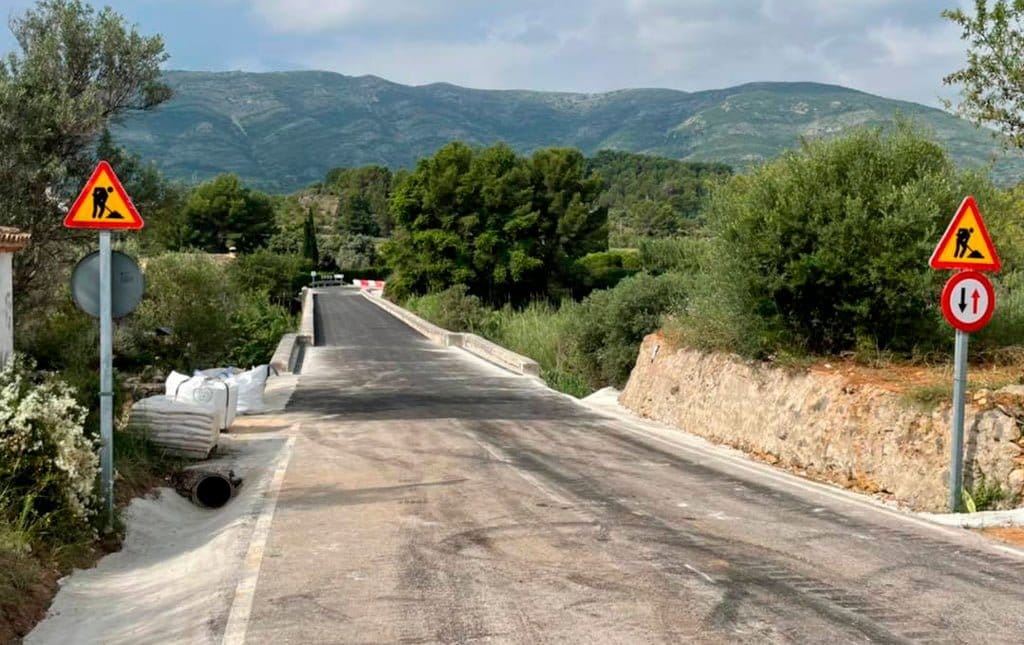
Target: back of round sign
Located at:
point(127, 284)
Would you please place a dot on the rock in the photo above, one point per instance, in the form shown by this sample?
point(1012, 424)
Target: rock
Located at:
point(1015, 391)
point(1016, 481)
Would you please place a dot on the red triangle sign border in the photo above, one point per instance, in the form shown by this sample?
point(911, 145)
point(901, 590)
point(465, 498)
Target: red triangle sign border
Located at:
point(994, 265)
point(134, 223)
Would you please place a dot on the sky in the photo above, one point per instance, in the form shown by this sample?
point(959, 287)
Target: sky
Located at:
point(894, 48)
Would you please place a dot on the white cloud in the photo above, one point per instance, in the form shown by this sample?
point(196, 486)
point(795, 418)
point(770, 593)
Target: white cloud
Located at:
point(899, 48)
point(309, 16)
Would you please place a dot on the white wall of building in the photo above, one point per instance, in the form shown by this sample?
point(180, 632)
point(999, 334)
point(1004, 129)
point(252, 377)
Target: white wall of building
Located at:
point(6, 306)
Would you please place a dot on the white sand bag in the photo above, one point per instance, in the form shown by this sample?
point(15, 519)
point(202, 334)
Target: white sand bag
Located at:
point(178, 427)
point(173, 382)
point(219, 396)
point(250, 388)
point(218, 372)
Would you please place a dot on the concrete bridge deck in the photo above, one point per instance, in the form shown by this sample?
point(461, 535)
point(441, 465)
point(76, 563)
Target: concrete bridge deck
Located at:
point(432, 497)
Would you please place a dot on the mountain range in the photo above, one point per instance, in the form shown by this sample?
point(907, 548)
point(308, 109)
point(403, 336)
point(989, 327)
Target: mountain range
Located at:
point(282, 131)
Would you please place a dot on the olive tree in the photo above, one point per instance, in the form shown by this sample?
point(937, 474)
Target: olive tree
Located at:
point(75, 69)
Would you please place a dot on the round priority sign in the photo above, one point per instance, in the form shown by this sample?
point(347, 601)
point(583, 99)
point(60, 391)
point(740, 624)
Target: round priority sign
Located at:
point(968, 301)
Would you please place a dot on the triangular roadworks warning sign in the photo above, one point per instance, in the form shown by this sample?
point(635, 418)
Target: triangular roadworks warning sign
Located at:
point(103, 204)
point(966, 243)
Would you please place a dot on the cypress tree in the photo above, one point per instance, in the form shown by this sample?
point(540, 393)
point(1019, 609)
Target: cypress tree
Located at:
point(309, 247)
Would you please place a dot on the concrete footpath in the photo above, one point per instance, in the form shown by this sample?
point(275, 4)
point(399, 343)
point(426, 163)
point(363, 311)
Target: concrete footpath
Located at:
point(432, 497)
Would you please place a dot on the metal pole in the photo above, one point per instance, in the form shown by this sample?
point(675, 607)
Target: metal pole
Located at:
point(106, 381)
point(956, 454)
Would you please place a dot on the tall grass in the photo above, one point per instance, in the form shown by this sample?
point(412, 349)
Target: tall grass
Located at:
point(580, 346)
point(542, 332)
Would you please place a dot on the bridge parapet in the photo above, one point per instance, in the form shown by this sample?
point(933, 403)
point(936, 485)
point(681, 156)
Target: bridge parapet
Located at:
point(471, 343)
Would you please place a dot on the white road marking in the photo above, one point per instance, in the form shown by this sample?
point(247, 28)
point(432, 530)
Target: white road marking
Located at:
point(241, 604)
point(700, 573)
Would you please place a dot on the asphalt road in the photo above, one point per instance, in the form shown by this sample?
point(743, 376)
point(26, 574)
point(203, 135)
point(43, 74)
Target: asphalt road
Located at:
point(433, 498)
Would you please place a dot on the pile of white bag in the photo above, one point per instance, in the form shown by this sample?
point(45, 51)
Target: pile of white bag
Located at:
point(194, 410)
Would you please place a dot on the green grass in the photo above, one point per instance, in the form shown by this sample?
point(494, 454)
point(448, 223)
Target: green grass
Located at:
point(982, 495)
point(540, 332)
point(928, 396)
point(140, 466)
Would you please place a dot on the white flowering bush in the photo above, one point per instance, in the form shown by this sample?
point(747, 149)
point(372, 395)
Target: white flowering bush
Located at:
point(47, 463)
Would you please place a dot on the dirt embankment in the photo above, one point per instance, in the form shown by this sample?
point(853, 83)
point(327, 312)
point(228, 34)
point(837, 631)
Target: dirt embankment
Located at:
point(853, 427)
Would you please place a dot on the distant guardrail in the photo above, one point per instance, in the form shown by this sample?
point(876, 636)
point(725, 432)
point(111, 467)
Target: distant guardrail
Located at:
point(316, 284)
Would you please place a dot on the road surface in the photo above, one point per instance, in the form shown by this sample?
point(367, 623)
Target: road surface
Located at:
point(433, 498)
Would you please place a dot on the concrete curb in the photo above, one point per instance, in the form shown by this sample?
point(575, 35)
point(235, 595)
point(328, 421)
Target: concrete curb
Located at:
point(287, 353)
point(289, 349)
point(980, 520)
point(471, 343)
point(439, 336)
point(498, 355)
point(307, 331)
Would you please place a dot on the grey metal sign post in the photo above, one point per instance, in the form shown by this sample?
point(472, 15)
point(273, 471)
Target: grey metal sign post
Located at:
point(104, 205)
point(968, 302)
point(956, 456)
point(106, 381)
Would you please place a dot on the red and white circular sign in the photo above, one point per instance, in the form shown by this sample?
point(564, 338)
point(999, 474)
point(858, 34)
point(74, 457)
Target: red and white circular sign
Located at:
point(968, 301)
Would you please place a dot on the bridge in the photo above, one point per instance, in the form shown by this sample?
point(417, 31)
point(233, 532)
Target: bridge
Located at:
point(434, 497)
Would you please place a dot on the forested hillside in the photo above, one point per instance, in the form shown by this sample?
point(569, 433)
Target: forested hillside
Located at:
point(282, 131)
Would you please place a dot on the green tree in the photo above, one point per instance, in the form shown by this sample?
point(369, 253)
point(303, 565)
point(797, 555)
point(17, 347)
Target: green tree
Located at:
point(310, 250)
point(356, 252)
point(363, 195)
point(75, 70)
point(992, 82)
point(508, 227)
point(650, 196)
point(161, 202)
point(223, 213)
point(278, 276)
point(825, 250)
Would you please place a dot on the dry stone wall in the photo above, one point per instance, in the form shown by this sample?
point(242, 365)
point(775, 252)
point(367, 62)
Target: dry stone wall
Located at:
point(827, 427)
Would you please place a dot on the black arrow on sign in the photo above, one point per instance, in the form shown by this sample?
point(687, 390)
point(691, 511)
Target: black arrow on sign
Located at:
point(963, 299)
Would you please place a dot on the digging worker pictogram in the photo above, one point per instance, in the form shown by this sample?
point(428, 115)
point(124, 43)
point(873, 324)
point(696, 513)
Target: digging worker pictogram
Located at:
point(99, 203)
point(963, 239)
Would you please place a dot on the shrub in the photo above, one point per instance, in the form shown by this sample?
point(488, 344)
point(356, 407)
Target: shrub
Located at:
point(1007, 326)
point(680, 254)
point(540, 331)
point(605, 269)
point(357, 251)
point(257, 327)
point(47, 463)
point(607, 328)
point(279, 276)
point(453, 309)
point(826, 249)
point(206, 318)
point(67, 341)
point(187, 295)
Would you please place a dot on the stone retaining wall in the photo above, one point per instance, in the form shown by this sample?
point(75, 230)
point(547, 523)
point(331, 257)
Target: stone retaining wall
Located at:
point(823, 426)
